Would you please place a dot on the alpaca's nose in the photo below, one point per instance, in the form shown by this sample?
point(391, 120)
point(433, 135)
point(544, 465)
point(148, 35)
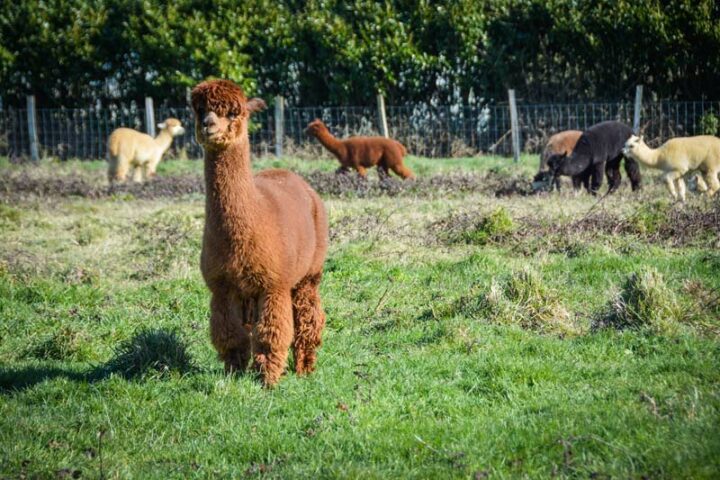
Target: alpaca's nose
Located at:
point(209, 120)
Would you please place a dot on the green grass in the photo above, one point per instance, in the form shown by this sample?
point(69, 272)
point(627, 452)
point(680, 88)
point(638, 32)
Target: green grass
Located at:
point(441, 358)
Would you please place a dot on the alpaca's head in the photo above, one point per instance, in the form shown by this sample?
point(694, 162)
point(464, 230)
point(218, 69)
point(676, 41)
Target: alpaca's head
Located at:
point(316, 127)
point(542, 180)
point(633, 144)
point(172, 126)
point(221, 112)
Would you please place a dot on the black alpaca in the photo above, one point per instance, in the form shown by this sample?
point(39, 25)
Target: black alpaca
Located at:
point(598, 151)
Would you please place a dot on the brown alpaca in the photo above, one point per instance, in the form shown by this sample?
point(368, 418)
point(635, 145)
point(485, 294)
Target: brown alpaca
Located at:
point(562, 143)
point(264, 244)
point(559, 145)
point(363, 152)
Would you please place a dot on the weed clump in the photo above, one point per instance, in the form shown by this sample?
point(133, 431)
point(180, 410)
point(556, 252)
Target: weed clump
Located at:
point(644, 303)
point(9, 217)
point(154, 352)
point(493, 228)
point(474, 228)
point(166, 239)
point(650, 218)
point(65, 344)
point(523, 299)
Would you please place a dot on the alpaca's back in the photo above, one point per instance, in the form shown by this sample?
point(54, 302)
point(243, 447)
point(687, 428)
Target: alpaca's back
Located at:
point(130, 144)
point(368, 151)
point(604, 141)
point(702, 151)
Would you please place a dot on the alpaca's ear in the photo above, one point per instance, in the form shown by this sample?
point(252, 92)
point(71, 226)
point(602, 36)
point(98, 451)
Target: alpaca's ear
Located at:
point(642, 138)
point(256, 105)
point(161, 126)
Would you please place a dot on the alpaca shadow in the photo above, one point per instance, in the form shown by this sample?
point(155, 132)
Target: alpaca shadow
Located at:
point(154, 353)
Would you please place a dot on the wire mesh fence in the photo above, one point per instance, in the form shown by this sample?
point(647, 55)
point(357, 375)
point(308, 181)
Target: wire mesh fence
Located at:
point(426, 130)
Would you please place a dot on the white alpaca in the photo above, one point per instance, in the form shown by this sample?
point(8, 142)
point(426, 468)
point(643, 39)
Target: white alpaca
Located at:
point(128, 148)
point(678, 156)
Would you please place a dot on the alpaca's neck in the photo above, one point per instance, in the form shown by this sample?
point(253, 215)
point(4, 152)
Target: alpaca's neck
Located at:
point(330, 142)
point(230, 190)
point(646, 155)
point(163, 140)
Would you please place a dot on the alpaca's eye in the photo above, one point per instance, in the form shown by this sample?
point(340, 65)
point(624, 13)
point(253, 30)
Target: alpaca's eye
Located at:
point(232, 116)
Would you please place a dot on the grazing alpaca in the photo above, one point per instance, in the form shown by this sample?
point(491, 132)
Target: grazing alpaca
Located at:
point(599, 150)
point(362, 152)
point(559, 145)
point(264, 244)
point(130, 148)
point(678, 156)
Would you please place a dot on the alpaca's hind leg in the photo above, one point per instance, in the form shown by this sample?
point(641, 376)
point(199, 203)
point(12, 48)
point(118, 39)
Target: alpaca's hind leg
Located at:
point(309, 323)
point(118, 169)
point(228, 330)
point(137, 173)
point(597, 176)
point(612, 172)
point(362, 171)
point(701, 185)
point(404, 172)
point(633, 172)
point(272, 335)
point(712, 182)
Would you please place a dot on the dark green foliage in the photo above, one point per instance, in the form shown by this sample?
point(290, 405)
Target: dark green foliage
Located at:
point(336, 52)
point(709, 124)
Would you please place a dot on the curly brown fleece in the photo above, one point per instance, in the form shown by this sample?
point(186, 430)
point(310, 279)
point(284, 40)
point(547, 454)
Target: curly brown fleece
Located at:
point(360, 153)
point(264, 244)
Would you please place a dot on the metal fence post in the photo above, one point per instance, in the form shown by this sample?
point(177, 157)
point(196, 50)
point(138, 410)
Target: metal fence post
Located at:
point(149, 117)
point(279, 125)
point(382, 118)
point(638, 107)
point(32, 129)
point(514, 126)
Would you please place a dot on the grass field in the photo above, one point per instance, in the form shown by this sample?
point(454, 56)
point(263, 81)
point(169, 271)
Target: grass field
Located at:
point(474, 331)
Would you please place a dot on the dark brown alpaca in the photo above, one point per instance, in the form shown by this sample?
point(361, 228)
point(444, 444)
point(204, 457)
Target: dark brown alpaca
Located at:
point(264, 244)
point(361, 153)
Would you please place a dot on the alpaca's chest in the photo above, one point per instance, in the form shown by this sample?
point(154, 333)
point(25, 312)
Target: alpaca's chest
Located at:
point(245, 265)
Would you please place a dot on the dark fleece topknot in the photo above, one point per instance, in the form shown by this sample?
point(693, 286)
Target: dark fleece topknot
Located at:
point(220, 96)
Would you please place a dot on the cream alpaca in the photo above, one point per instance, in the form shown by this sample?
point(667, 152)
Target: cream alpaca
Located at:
point(128, 148)
point(678, 156)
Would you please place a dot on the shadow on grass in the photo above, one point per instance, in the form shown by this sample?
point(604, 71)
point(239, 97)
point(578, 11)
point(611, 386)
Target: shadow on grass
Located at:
point(150, 353)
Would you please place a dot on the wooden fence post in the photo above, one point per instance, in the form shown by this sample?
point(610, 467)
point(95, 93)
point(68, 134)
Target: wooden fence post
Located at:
point(149, 117)
point(638, 107)
point(279, 125)
point(32, 129)
point(514, 126)
point(382, 118)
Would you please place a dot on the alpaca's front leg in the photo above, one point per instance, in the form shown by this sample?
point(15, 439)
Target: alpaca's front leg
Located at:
point(229, 335)
point(309, 323)
point(670, 182)
point(681, 188)
point(272, 335)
